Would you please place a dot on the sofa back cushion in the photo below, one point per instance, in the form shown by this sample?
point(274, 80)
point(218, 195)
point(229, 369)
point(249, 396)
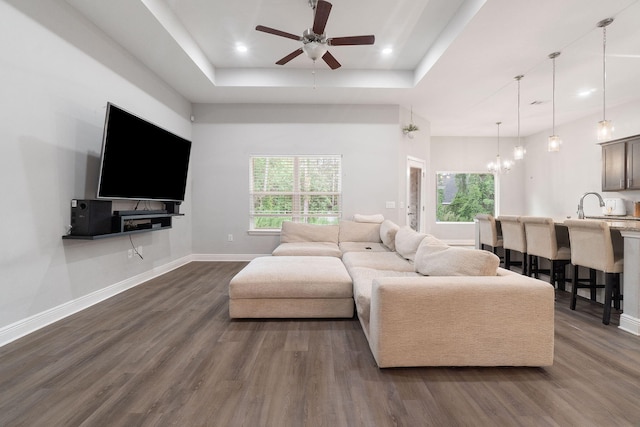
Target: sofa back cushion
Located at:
point(436, 258)
point(352, 231)
point(388, 230)
point(407, 242)
point(293, 232)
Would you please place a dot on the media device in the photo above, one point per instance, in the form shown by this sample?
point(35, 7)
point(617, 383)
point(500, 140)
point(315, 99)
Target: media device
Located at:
point(90, 217)
point(141, 160)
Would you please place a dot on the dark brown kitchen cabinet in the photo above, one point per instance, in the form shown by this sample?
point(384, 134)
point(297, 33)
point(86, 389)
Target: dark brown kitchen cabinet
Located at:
point(621, 164)
point(633, 164)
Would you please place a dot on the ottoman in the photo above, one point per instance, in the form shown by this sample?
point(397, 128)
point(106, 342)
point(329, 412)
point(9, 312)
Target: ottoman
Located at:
point(292, 287)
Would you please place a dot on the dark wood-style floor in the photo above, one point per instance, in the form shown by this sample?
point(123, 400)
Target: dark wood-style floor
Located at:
point(166, 353)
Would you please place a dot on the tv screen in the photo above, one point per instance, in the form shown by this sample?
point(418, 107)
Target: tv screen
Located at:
point(140, 160)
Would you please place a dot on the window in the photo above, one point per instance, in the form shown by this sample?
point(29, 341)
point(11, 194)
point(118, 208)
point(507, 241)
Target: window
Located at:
point(461, 196)
point(295, 188)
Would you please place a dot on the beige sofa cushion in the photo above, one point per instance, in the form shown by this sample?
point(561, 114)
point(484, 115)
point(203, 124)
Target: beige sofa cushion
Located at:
point(377, 260)
point(362, 283)
point(407, 242)
point(436, 258)
point(292, 277)
point(307, 249)
point(351, 231)
point(388, 230)
point(293, 232)
point(362, 247)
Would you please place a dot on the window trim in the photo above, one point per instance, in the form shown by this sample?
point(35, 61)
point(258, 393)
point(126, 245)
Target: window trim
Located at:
point(296, 194)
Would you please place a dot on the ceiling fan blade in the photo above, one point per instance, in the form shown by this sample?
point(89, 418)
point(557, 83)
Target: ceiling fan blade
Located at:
point(278, 32)
point(323, 8)
point(289, 57)
point(351, 41)
point(331, 61)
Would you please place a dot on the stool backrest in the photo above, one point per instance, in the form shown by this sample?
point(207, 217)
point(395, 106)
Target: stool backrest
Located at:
point(592, 245)
point(513, 235)
point(488, 230)
point(541, 236)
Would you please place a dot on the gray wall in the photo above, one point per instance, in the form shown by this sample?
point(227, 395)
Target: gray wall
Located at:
point(369, 138)
point(472, 154)
point(58, 72)
point(554, 182)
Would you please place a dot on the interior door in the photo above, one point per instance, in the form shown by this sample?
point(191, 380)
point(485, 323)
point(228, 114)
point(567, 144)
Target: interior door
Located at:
point(415, 194)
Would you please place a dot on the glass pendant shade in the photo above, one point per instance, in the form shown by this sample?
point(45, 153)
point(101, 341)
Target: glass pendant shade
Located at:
point(518, 152)
point(605, 130)
point(554, 143)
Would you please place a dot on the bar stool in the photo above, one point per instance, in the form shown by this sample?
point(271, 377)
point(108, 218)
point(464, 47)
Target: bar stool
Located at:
point(489, 234)
point(542, 242)
point(513, 239)
point(594, 245)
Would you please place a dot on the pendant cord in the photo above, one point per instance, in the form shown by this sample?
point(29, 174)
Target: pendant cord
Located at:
point(553, 98)
point(604, 72)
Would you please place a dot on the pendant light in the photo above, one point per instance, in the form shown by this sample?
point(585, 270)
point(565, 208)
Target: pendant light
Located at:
point(518, 150)
point(499, 166)
point(554, 140)
point(605, 127)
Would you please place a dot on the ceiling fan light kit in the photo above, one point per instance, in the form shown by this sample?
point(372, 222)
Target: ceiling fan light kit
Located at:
point(315, 43)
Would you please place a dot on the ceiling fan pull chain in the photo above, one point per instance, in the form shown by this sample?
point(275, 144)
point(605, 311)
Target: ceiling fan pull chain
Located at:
point(313, 72)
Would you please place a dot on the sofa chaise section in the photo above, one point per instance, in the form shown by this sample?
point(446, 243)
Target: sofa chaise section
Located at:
point(503, 320)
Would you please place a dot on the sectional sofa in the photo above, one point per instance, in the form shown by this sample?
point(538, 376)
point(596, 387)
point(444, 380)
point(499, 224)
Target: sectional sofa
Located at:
point(420, 301)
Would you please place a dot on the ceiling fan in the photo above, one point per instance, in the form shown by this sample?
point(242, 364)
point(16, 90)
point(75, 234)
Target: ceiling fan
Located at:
point(314, 41)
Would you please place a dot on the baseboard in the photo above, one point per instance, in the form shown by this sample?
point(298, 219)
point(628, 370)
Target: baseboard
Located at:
point(629, 324)
point(31, 324)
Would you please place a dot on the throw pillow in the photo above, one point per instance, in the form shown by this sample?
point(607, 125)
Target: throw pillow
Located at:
point(436, 258)
point(407, 242)
point(388, 230)
point(376, 218)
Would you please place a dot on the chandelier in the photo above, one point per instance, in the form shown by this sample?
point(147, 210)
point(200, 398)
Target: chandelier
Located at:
point(499, 166)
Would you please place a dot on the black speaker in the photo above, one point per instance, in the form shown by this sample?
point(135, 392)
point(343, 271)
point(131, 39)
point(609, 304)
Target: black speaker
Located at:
point(90, 217)
point(172, 207)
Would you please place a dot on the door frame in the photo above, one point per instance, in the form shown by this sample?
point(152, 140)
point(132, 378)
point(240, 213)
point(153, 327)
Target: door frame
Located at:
point(417, 163)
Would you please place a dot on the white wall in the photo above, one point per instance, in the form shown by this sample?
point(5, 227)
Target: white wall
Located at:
point(472, 154)
point(369, 138)
point(554, 182)
point(58, 72)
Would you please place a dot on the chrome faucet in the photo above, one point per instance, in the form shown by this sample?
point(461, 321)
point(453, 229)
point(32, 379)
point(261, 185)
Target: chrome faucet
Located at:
point(580, 210)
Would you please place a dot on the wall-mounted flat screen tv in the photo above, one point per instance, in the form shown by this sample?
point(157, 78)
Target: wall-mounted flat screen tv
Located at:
point(140, 160)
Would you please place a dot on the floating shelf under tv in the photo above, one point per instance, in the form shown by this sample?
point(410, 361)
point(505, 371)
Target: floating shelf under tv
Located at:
point(131, 224)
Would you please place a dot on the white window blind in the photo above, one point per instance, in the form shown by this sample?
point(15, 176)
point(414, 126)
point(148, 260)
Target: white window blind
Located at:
point(295, 188)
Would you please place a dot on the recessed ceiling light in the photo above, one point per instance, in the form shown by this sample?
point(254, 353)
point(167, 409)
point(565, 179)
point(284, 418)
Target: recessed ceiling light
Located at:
point(241, 48)
point(387, 51)
point(586, 92)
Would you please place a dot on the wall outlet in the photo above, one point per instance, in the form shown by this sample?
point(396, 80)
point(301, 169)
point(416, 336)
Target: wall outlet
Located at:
point(130, 253)
point(230, 238)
